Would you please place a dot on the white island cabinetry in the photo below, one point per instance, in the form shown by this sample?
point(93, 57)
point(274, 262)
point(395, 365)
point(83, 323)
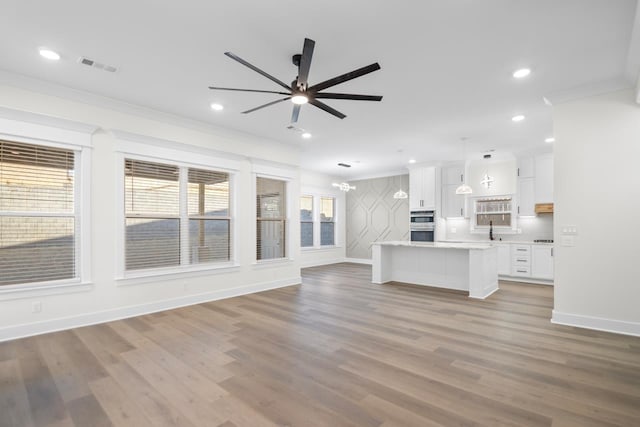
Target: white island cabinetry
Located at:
point(471, 267)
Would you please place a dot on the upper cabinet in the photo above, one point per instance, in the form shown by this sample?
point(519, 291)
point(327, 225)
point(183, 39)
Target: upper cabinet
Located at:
point(453, 205)
point(544, 178)
point(526, 194)
point(526, 167)
point(422, 189)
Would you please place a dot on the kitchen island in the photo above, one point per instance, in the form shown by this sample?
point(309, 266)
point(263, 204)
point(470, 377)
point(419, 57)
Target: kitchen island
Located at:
point(471, 267)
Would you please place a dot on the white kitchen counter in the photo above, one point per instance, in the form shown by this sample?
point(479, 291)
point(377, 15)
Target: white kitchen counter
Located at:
point(471, 267)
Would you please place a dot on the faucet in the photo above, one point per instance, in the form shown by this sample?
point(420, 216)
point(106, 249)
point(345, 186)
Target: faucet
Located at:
point(491, 230)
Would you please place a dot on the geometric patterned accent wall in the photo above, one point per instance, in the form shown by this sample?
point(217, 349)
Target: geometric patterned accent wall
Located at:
point(374, 215)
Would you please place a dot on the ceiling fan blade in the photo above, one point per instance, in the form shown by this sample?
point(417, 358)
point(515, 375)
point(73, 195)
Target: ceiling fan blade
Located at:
point(305, 62)
point(345, 77)
point(248, 90)
point(295, 113)
point(266, 105)
point(326, 108)
point(257, 70)
point(328, 95)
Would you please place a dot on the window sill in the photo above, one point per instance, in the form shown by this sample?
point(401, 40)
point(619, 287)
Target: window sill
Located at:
point(276, 262)
point(12, 292)
point(495, 231)
point(319, 248)
point(147, 276)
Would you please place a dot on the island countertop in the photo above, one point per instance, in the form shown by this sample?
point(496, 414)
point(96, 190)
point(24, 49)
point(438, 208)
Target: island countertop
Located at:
point(471, 267)
point(438, 245)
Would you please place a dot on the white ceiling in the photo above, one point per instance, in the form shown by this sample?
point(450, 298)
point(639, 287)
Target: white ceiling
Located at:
point(446, 66)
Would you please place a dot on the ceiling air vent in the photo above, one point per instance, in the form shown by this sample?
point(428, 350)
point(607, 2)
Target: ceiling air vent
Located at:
point(95, 64)
point(344, 165)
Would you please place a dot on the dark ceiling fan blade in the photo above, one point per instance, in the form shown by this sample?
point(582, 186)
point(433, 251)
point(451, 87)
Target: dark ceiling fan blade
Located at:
point(266, 105)
point(305, 63)
point(248, 90)
point(326, 108)
point(345, 77)
point(328, 95)
point(257, 70)
point(295, 113)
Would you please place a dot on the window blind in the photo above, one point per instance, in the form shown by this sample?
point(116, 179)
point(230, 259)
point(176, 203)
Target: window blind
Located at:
point(152, 211)
point(327, 221)
point(271, 218)
point(209, 220)
point(306, 221)
point(37, 213)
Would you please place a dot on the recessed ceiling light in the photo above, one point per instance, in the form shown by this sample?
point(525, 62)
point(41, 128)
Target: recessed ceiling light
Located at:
point(518, 118)
point(299, 99)
point(521, 73)
point(49, 54)
point(550, 140)
point(217, 107)
point(306, 135)
point(412, 161)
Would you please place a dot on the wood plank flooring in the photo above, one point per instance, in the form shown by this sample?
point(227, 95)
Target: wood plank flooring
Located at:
point(335, 351)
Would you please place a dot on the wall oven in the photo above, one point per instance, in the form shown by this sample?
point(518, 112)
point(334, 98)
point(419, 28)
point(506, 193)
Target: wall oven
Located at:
point(422, 226)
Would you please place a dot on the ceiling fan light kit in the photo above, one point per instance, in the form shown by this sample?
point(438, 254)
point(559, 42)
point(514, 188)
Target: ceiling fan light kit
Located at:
point(299, 92)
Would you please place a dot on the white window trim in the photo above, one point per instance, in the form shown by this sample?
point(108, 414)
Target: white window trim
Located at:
point(484, 229)
point(318, 194)
point(31, 128)
point(287, 228)
point(313, 222)
point(282, 173)
point(141, 151)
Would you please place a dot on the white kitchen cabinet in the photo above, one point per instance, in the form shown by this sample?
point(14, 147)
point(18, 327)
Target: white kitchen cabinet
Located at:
point(422, 189)
point(453, 205)
point(526, 167)
point(542, 262)
point(453, 174)
point(504, 259)
point(526, 197)
point(544, 178)
point(521, 260)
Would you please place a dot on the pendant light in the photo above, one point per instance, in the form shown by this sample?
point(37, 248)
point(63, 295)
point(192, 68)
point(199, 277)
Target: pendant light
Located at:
point(400, 194)
point(464, 188)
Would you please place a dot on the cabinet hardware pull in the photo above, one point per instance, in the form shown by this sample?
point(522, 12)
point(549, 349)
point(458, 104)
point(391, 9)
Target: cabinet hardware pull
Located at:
point(551, 251)
point(461, 178)
point(461, 212)
point(522, 271)
point(521, 250)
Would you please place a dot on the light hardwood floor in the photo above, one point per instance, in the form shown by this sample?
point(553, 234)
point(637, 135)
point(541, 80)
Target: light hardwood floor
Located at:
point(335, 351)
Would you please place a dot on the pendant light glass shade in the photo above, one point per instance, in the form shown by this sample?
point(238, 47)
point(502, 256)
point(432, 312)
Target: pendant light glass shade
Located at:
point(464, 189)
point(400, 195)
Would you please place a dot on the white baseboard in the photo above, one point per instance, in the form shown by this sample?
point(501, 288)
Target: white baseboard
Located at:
point(37, 328)
point(358, 260)
point(316, 263)
point(596, 323)
point(526, 280)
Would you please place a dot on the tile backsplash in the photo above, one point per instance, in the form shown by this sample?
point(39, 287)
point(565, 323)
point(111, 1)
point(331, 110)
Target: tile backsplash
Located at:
point(530, 228)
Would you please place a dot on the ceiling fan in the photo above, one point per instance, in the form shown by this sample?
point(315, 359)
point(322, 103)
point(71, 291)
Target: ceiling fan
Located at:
point(299, 92)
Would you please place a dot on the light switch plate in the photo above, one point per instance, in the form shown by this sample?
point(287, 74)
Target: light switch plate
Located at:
point(568, 241)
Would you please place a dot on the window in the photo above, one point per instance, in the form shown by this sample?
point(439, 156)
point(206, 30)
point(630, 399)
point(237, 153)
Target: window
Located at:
point(271, 218)
point(306, 221)
point(209, 220)
point(494, 211)
point(327, 224)
point(175, 215)
point(39, 219)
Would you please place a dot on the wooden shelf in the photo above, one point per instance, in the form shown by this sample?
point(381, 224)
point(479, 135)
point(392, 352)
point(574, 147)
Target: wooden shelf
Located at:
point(544, 208)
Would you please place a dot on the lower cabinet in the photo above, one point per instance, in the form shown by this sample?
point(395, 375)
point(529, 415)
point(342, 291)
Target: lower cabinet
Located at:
point(504, 259)
point(525, 261)
point(542, 261)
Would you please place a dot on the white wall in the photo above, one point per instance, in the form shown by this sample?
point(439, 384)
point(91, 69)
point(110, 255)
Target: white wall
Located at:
point(319, 185)
point(106, 298)
point(597, 150)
